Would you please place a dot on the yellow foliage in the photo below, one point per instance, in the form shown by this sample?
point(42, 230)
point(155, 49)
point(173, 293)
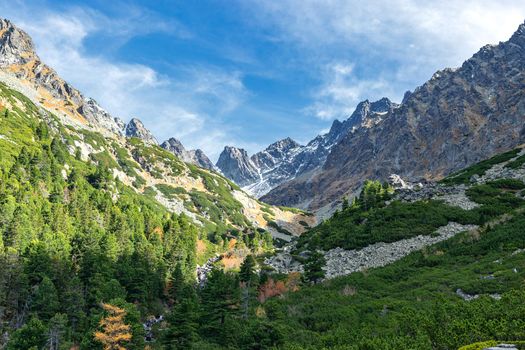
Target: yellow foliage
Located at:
point(115, 331)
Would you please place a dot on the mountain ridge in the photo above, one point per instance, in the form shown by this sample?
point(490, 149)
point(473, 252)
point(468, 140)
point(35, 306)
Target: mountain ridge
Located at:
point(285, 159)
point(456, 118)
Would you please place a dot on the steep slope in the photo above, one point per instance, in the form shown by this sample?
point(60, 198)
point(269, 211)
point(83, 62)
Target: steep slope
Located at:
point(196, 156)
point(285, 160)
point(39, 82)
point(237, 166)
point(209, 199)
point(455, 119)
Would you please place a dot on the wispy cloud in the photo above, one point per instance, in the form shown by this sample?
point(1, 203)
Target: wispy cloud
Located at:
point(185, 106)
point(392, 44)
point(342, 90)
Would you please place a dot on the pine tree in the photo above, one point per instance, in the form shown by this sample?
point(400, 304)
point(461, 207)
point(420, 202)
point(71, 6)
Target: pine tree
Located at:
point(219, 304)
point(248, 277)
point(57, 329)
point(313, 267)
point(247, 272)
point(115, 332)
point(345, 203)
point(182, 330)
point(45, 301)
point(176, 285)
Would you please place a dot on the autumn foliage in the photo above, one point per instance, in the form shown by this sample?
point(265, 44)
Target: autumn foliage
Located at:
point(115, 332)
point(272, 288)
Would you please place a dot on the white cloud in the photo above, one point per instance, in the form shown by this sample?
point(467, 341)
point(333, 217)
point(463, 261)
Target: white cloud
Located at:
point(392, 43)
point(181, 106)
point(342, 90)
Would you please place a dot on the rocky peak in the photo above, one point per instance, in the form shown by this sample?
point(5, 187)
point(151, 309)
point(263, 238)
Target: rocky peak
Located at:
point(197, 157)
point(173, 145)
point(455, 119)
point(136, 128)
point(22, 69)
point(518, 37)
point(16, 46)
point(237, 165)
point(283, 145)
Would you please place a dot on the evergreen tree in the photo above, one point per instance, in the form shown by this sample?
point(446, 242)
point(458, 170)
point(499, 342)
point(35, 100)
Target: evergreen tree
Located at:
point(182, 330)
point(45, 301)
point(313, 267)
point(30, 336)
point(345, 203)
point(219, 305)
point(248, 278)
point(56, 331)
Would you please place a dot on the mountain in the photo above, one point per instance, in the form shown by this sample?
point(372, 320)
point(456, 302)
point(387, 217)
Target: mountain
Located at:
point(430, 267)
point(196, 157)
point(129, 152)
point(455, 119)
point(135, 128)
point(22, 69)
point(285, 160)
point(236, 165)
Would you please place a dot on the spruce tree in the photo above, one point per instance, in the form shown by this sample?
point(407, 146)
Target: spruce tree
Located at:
point(313, 267)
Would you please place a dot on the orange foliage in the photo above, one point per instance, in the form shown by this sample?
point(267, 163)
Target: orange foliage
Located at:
point(271, 289)
point(158, 231)
point(201, 247)
point(277, 288)
point(232, 243)
point(115, 331)
point(231, 261)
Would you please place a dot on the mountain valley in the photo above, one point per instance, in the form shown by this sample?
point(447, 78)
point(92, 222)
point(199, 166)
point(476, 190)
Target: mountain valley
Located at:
point(402, 227)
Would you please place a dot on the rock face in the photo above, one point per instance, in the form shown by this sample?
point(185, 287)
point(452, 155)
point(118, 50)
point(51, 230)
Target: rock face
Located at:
point(19, 59)
point(457, 118)
point(285, 160)
point(196, 157)
point(135, 128)
point(237, 166)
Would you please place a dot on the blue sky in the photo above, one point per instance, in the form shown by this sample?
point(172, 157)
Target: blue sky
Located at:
point(246, 72)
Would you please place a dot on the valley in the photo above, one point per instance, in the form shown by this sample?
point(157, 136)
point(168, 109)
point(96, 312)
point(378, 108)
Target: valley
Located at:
point(401, 227)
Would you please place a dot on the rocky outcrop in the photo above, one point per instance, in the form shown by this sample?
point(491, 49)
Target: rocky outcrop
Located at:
point(285, 160)
point(196, 157)
point(135, 128)
point(457, 118)
point(341, 262)
point(236, 165)
point(19, 59)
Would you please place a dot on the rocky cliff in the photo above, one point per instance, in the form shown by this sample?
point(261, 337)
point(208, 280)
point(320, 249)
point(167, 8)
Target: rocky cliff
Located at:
point(196, 156)
point(135, 128)
point(453, 120)
point(236, 165)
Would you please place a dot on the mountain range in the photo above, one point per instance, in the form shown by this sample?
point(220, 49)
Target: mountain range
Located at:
point(185, 181)
point(455, 119)
point(286, 160)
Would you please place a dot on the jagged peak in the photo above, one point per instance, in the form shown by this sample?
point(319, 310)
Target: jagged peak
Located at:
point(232, 150)
point(135, 128)
point(518, 37)
point(173, 142)
point(286, 143)
point(16, 46)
